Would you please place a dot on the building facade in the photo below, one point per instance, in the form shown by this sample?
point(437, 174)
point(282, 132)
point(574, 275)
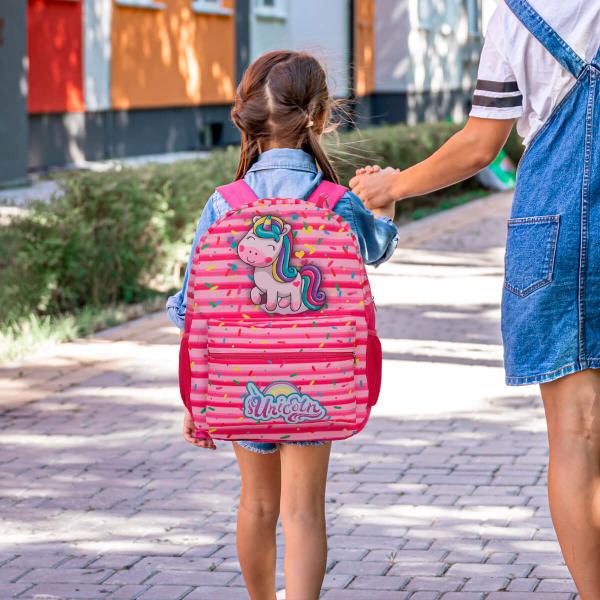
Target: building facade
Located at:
point(95, 79)
point(426, 54)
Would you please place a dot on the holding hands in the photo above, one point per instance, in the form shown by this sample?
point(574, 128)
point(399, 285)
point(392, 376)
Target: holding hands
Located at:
point(377, 188)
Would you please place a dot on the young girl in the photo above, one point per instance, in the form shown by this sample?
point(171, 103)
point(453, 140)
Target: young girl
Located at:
point(282, 108)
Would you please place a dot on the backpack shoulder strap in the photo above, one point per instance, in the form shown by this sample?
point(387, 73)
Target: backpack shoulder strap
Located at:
point(237, 193)
point(327, 194)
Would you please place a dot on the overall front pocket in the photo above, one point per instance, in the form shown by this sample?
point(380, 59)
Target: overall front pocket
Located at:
point(530, 253)
point(280, 377)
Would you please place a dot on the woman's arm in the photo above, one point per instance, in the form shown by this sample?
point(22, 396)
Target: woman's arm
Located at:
point(462, 156)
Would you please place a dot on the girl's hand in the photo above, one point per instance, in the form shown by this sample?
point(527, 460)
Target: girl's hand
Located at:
point(386, 211)
point(188, 434)
point(368, 170)
point(378, 189)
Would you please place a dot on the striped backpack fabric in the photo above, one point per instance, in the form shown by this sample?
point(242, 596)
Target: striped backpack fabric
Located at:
point(279, 340)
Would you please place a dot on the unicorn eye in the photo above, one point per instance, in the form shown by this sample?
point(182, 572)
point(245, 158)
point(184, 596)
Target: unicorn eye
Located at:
point(251, 238)
point(271, 246)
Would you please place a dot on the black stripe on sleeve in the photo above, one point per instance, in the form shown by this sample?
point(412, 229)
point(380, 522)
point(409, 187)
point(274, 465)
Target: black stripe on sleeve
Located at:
point(497, 86)
point(490, 102)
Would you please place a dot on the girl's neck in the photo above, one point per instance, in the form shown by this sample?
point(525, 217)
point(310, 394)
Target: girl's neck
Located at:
point(272, 144)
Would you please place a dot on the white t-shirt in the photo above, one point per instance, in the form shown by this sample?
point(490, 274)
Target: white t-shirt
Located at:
point(518, 78)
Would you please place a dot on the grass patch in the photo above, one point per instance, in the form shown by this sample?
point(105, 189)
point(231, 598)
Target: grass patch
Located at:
point(449, 202)
point(23, 337)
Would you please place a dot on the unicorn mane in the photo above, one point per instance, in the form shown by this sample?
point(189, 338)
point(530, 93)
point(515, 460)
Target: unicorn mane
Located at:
point(270, 227)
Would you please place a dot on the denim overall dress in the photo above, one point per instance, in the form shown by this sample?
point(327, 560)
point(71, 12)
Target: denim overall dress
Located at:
point(551, 296)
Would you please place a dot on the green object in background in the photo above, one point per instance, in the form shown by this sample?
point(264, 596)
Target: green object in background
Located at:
point(500, 176)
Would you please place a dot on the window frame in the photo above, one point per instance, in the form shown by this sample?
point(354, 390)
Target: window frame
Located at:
point(279, 11)
point(211, 7)
point(142, 4)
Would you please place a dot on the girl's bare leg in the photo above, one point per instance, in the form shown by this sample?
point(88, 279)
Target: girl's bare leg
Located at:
point(257, 521)
point(572, 406)
point(303, 480)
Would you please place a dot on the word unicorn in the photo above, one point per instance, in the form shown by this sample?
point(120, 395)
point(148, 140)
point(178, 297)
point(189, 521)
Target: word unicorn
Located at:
point(281, 400)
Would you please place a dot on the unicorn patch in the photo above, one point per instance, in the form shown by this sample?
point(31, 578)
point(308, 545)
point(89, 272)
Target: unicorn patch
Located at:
point(281, 400)
point(279, 286)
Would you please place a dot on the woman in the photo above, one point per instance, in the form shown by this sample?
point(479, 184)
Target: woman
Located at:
point(541, 65)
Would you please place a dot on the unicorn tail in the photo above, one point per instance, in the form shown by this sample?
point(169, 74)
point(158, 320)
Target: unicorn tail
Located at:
point(313, 297)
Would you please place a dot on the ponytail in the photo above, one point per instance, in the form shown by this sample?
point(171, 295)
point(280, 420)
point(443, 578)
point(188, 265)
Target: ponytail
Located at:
point(282, 96)
point(314, 147)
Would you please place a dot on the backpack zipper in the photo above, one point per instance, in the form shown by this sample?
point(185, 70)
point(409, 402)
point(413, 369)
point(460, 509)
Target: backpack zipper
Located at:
point(280, 356)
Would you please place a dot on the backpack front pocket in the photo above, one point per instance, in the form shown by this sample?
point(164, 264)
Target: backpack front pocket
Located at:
point(280, 379)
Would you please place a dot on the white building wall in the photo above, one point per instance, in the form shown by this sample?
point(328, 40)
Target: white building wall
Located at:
point(419, 45)
point(97, 53)
point(321, 27)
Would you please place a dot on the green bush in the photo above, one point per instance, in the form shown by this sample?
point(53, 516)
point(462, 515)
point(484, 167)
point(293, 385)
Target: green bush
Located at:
point(402, 146)
point(106, 238)
point(111, 236)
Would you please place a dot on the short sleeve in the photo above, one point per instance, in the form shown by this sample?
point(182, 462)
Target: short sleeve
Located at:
point(497, 94)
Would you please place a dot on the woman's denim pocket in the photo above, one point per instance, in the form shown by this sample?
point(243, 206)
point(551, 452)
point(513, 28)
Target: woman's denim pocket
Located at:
point(530, 252)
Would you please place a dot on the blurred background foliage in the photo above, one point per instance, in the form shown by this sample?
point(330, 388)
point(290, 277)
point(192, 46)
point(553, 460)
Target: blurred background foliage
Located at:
point(122, 237)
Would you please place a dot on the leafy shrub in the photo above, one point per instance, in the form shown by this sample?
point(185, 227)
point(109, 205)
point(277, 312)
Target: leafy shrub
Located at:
point(110, 237)
point(402, 146)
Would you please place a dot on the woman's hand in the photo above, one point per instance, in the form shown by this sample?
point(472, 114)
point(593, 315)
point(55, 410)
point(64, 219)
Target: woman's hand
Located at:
point(368, 170)
point(377, 187)
point(188, 434)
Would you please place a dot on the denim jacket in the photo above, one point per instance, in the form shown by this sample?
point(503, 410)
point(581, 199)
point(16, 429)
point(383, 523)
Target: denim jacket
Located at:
point(292, 173)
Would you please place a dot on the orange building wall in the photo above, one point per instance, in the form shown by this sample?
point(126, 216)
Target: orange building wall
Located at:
point(172, 57)
point(364, 59)
point(55, 59)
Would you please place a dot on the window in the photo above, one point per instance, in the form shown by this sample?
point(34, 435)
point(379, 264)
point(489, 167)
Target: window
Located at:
point(211, 7)
point(438, 16)
point(274, 9)
point(425, 13)
point(474, 17)
point(148, 4)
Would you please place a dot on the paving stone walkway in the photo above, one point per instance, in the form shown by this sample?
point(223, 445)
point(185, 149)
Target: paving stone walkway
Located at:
point(441, 498)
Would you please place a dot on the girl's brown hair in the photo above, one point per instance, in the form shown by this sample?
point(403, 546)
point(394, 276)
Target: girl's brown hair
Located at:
point(283, 96)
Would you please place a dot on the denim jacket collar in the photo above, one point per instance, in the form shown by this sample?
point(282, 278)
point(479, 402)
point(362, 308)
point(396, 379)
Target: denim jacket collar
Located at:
point(285, 158)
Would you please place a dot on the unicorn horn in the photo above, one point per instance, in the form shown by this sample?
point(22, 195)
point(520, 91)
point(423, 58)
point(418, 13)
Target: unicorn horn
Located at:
point(268, 223)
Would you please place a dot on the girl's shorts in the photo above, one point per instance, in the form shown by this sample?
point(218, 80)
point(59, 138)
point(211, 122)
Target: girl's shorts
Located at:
point(270, 448)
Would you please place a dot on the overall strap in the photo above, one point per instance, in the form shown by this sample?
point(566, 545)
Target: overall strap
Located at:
point(237, 194)
point(555, 45)
point(327, 194)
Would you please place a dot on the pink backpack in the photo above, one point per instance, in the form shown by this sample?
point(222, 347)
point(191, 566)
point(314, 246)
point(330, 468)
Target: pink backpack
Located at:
point(279, 340)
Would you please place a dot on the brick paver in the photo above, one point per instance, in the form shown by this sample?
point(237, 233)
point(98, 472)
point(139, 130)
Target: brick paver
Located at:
point(442, 496)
